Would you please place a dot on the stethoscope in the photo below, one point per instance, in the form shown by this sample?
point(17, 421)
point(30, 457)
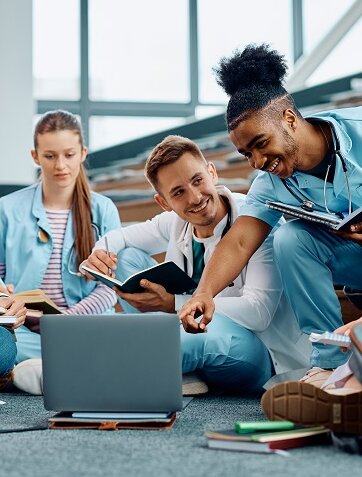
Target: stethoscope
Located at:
point(224, 232)
point(43, 237)
point(308, 204)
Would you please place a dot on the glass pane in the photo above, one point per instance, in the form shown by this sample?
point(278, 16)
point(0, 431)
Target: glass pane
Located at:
point(107, 131)
point(319, 17)
point(224, 26)
point(341, 61)
point(139, 50)
point(56, 49)
point(202, 112)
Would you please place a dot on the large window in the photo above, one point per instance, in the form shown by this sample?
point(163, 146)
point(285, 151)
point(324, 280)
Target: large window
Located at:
point(134, 58)
point(131, 68)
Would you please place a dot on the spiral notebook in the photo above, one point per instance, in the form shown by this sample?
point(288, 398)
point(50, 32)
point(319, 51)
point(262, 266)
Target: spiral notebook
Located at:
point(330, 220)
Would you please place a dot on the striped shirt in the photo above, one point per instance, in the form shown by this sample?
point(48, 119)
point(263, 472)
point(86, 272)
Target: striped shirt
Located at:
point(102, 297)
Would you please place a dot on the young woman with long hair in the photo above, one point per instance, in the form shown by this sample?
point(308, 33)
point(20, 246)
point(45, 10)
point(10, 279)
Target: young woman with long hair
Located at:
point(49, 228)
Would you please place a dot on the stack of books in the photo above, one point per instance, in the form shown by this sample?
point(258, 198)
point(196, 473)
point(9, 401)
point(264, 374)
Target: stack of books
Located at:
point(261, 437)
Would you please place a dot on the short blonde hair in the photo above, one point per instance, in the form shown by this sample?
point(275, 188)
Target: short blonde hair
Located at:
point(168, 151)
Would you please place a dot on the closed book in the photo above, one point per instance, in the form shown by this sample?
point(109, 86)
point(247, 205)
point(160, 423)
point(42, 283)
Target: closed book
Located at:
point(167, 274)
point(7, 320)
point(32, 320)
point(331, 220)
point(65, 420)
point(267, 442)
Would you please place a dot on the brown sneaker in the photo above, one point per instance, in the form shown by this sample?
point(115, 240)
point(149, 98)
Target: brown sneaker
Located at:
point(303, 403)
point(316, 376)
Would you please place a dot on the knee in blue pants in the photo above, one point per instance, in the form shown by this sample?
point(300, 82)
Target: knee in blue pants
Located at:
point(131, 260)
point(228, 356)
point(7, 351)
point(28, 344)
point(307, 259)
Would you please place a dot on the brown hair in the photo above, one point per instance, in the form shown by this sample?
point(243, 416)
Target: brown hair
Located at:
point(53, 121)
point(166, 152)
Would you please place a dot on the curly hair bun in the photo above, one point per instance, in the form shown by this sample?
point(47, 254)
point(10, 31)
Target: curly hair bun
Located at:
point(254, 65)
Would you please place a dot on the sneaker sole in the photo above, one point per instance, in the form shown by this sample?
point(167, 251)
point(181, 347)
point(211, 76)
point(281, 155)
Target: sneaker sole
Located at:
point(194, 389)
point(304, 404)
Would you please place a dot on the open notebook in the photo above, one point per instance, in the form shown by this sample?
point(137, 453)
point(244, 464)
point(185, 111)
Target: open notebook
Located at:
point(167, 274)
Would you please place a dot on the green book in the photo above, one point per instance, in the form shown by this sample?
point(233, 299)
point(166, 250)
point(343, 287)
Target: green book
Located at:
point(243, 427)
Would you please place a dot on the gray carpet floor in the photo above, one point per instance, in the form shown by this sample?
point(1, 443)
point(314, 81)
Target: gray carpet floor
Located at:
point(178, 452)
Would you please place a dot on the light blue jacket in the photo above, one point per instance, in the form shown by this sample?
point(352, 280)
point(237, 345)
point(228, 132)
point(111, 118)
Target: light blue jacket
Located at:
point(347, 124)
point(22, 216)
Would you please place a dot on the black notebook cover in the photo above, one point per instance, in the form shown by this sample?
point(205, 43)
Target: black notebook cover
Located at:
point(167, 274)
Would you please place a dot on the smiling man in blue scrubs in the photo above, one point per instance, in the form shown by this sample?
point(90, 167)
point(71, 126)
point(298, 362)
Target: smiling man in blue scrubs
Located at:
point(316, 159)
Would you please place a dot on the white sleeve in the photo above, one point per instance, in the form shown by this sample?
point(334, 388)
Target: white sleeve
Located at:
point(261, 294)
point(151, 236)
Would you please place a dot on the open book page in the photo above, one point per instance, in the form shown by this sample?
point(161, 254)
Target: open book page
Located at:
point(38, 300)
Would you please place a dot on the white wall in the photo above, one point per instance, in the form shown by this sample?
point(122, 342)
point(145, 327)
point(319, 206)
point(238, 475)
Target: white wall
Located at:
point(16, 92)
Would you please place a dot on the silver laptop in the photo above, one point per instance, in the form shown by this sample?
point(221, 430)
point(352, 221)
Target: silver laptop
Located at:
point(114, 363)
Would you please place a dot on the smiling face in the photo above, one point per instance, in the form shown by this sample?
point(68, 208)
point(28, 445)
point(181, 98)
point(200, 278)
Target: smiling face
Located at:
point(268, 144)
point(60, 155)
point(187, 187)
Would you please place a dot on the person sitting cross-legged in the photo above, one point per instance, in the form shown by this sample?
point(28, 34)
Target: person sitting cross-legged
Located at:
point(254, 333)
point(15, 308)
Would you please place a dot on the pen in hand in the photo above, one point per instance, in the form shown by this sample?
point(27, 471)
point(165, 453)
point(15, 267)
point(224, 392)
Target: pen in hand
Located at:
point(109, 255)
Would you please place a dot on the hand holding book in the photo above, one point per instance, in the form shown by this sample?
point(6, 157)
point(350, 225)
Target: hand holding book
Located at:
point(12, 312)
point(154, 298)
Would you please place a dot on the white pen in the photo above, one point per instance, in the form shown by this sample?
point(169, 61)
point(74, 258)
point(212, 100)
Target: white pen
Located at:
point(109, 255)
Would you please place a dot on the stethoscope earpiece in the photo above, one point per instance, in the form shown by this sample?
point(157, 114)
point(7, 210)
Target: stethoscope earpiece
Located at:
point(43, 236)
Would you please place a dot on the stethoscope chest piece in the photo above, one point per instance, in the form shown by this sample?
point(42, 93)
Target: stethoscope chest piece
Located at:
point(43, 236)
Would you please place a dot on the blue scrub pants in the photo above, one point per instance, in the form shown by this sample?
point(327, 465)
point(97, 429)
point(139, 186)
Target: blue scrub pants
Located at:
point(7, 351)
point(310, 260)
point(28, 344)
point(228, 356)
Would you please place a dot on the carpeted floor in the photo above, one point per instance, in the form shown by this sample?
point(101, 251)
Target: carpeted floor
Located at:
point(181, 451)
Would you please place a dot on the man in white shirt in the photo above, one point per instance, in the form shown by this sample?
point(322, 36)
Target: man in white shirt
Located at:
point(254, 332)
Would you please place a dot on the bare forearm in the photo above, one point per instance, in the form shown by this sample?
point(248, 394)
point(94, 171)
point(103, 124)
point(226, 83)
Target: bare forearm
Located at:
point(232, 254)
